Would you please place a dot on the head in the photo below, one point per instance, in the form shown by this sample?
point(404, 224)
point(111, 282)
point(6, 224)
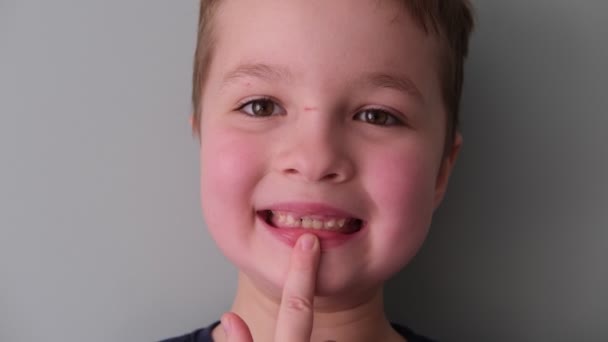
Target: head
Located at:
point(327, 113)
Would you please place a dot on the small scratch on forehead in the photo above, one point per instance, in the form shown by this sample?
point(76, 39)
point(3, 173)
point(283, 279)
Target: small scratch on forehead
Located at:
point(312, 109)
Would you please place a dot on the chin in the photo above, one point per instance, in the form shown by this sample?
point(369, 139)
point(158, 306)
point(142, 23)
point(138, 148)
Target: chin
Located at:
point(333, 287)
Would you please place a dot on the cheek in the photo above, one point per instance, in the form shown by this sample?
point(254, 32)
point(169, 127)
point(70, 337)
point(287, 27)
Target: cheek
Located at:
point(227, 167)
point(231, 166)
point(403, 192)
point(401, 181)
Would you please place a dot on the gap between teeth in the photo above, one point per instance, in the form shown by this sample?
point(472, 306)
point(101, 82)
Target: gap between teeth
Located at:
point(288, 220)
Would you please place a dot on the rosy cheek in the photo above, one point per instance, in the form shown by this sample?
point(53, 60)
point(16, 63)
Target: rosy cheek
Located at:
point(403, 189)
point(228, 163)
point(230, 168)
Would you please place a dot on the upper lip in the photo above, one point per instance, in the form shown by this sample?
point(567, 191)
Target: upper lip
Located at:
point(311, 209)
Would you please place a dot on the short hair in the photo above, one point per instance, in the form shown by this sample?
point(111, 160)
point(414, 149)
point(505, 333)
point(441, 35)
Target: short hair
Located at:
point(451, 21)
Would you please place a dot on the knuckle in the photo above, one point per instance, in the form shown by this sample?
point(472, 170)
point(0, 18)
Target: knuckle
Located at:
point(298, 304)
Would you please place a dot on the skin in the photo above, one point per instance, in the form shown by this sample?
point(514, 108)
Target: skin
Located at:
point(310, 62)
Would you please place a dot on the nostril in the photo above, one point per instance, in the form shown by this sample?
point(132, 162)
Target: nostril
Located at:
point(291, 171)
point(331, 176)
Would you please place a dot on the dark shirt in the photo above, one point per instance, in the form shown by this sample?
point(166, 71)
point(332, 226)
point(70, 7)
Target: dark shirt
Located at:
point(204, 335)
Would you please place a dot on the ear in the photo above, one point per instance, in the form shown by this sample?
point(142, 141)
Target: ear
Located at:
point(195, 130)
point(445, 170)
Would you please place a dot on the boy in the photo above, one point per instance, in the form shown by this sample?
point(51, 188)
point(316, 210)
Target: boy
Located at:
point(328, 132)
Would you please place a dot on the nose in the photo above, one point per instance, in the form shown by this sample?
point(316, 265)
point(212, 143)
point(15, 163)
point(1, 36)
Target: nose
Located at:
point(315, 152)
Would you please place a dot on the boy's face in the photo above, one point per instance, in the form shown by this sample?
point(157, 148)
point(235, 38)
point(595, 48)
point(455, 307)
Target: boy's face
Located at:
point(317, 113)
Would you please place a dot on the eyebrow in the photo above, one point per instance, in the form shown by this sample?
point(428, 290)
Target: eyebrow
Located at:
point(274, 73)
point(400, 83)
point(268, 73)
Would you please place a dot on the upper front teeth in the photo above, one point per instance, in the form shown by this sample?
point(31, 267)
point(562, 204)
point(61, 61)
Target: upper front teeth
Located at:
point(289, 220)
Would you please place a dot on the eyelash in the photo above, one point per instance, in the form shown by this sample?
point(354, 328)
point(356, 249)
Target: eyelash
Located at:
point(390, 120)
point(267, 100)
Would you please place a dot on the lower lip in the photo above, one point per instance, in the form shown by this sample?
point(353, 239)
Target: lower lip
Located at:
point(328, 239)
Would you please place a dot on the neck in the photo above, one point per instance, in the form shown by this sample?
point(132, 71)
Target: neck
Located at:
point(362, 319)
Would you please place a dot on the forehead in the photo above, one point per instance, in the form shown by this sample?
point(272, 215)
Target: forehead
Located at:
point(333, 41)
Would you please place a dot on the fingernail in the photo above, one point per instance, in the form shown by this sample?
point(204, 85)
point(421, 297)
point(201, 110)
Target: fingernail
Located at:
point(226, 325)
point(307, 242)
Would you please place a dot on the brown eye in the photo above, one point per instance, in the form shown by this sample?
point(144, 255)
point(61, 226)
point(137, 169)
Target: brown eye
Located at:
point(377, 117)
point(260, 108)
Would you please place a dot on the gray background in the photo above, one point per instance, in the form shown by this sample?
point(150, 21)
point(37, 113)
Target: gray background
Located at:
point(101, 237)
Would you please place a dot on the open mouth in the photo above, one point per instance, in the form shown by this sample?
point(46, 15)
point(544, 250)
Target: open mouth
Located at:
point(290, 220)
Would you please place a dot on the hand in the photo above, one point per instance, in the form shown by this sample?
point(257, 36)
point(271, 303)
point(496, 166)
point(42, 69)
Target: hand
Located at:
point(294, 323)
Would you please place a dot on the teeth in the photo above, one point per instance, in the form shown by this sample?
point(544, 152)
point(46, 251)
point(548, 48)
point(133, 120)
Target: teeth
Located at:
point(292, 221)
point(306, 222)
point(288, 220)
point(317, 224)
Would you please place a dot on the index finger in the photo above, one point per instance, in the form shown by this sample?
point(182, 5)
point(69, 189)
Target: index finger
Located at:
point(295, 319)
